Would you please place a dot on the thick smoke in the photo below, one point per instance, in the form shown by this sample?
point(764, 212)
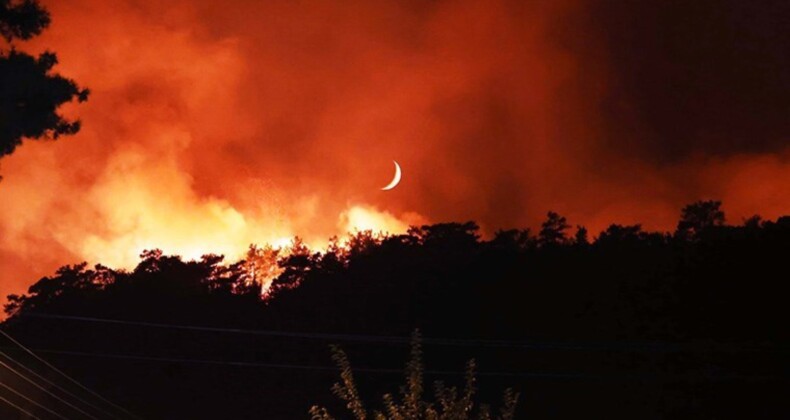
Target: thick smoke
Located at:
point(213, 125)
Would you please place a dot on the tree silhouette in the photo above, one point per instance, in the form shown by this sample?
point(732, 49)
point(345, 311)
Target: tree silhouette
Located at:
point(697, 217)
point(620, 234)
point(22, 19)
point(512, 239)
point(298, 261)
point(30, 94)
point(753, 222)
point(580, 238)
point(552, 231)
point(444, 234)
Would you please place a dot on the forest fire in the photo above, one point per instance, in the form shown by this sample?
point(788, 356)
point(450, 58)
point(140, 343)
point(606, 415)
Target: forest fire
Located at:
point(210, 128)
point(204, 204)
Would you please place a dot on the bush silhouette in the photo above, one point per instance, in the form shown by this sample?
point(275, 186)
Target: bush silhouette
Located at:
point(451, 403)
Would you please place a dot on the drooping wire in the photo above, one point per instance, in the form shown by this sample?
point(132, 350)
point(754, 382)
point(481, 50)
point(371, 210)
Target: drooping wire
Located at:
point(57, 397)
point(304, 367)
point(546, 375)
point(22, 410)
point(63, 374)
point(30, 400)
point(54, 385)
point(624, 346)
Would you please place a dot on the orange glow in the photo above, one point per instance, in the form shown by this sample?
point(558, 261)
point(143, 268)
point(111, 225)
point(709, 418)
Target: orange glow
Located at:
point(211, 127)
point(360, 218)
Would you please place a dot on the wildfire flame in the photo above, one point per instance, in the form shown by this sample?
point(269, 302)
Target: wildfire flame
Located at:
point(210, 128)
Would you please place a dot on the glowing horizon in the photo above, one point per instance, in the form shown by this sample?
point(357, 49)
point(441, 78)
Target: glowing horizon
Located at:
point(210, 128)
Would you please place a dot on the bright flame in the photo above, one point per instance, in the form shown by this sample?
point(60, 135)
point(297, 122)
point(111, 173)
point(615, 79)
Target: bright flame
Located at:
point(212, 127)
point(153, 205)
point(361, 218)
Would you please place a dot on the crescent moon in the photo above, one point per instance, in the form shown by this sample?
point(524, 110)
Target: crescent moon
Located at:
point(395, 180)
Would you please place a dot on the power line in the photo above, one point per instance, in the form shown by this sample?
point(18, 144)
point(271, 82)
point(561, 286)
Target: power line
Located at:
point(274, 333)
point(290, 366)
point(63, 374)
point(624, 346)
point(19, 394)
point(52, 384)
point(22, 410)
point(30, 381)
point(548, 375)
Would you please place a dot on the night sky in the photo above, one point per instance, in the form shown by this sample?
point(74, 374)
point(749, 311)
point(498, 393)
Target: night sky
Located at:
point(213, 125)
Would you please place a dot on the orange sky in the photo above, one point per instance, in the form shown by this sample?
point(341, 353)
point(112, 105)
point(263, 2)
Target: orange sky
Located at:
point(213, 125)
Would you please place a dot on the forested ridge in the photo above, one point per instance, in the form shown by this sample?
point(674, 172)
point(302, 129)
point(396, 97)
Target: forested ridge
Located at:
point(630, 322)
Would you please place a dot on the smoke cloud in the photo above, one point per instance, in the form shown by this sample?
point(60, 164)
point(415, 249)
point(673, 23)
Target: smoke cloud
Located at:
point(213, 125)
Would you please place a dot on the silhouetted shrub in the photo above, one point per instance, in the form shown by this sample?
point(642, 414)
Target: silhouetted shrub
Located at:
point(450, 403)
